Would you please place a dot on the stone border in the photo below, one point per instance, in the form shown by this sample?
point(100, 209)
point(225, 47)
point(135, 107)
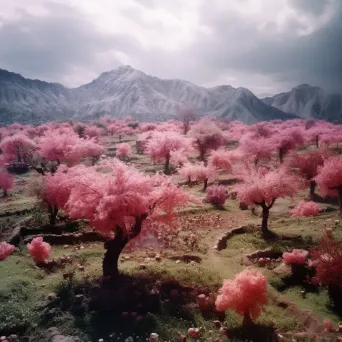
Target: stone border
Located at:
point(222, 242)
point(68, 239)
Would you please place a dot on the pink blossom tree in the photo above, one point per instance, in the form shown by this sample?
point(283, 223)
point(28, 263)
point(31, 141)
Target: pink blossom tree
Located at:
point(262, 187)
point(307, 163)
point(207, 136)
point(256, 148)
point(246, 294)
point(18, 148)
point(160, 146)
point(92, 132)
point(64, 145)
point(56, 188)
point(6, 182)
point(224, 159)
point(121, 203)
point(186, 115)
point(329, 178)
point(326, 258)
point(288, 139)
point(197, 172)
point(123, 151)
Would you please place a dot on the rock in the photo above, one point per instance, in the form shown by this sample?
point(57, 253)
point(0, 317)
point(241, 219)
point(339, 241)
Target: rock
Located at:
point(79, 298)
point(13, 338)
point(81, 268)
point(283, 270)
point(142, 266)
point(243, 206)
point(337, 222)
point(53, 335)
point(101, 340)
point(178, 261)
point(154, 337)
point(124, 314)
point(129, 339)
point(202, 302)
point(15, 236)
point(182, 338)
point(217, 324)
point(65, 246)
point(138, 319)
point(174, 294)
point(224, 331)
point(51, 296)
point(157, 258)
point(194, 332)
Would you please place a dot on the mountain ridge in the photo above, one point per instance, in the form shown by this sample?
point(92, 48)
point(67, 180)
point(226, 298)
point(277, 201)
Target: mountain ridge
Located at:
point(127, 91)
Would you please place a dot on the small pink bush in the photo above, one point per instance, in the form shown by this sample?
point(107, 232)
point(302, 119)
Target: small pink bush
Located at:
point(246, 294)
point(217, 195)
point(39, 249)
point(305, 209)
point(6, 250)
point(328, 326)
point(297, 256)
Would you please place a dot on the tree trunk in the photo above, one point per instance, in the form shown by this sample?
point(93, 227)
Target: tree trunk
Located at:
point(264, 224)
point(205, 185)
point(312, 189)
point(202, 154)
point(53, 211)
point(281, 155)
point(5, 193)
point(115, 246)
point(335, 294)
point(120, 137)
point(317, 138)
point(186, 127)
point(247, 320)
point(167, 165)
point(340, 198)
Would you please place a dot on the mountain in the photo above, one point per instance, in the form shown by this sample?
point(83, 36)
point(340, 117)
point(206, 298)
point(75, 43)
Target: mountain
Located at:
point(309, 102)
point(125, 91)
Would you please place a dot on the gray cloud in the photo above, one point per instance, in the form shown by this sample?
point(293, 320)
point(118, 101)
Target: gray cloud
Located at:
point(53, 45)
point(226, 46)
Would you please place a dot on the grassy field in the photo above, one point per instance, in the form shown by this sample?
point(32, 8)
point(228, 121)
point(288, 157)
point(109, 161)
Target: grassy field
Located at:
point(33, 299)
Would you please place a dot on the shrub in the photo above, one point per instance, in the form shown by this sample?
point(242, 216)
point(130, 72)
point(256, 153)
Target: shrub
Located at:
point(39, 250)
point(246, 294)
point(217, 195)
point(297, 256)
point(305, 208)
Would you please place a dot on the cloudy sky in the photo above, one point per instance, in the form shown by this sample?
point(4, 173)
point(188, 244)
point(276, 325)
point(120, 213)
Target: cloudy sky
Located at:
point(267, 46)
